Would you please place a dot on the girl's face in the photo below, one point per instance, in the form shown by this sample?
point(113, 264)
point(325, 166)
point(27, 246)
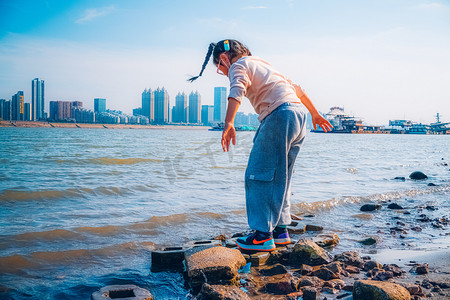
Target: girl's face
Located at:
point(224, 64)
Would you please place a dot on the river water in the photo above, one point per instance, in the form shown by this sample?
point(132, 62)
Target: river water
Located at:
point(82, 208)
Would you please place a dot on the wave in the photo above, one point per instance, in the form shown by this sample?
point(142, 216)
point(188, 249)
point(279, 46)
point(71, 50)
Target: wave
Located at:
point(109, 161)
point(50, 235)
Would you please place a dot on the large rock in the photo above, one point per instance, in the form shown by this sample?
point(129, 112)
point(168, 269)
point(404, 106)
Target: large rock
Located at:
point(307, 252)
point(377, 290)
point(351, 258)
point(221, 292)
point(283, 285)
point(216, 265)
point(417, 175)
point(370, 207)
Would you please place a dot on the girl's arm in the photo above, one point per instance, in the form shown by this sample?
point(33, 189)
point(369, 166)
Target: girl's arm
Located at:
point(229, 132)
point(317, 119)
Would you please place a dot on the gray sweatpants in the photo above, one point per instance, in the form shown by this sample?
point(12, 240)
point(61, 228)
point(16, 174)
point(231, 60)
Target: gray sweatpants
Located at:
point(270, 167)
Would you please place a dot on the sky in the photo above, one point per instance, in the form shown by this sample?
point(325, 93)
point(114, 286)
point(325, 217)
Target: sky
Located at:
point(380, 59)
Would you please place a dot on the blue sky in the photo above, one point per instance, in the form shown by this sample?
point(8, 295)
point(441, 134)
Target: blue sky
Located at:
point(381, 59)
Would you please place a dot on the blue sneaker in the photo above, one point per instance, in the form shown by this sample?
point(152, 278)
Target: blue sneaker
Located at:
point(257, 241)
point(281, 236)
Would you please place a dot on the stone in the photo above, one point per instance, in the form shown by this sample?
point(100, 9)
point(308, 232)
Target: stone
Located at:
point(432, 184)
point(338, 283)
point(295, 228)
point(275, 270)
point(369, 265)
point(294, 295)
point(417, 175)
point(377, 290)
point(396, 270)
point(413, 289)
point(309, 293)
point(325, 274)
point(310, 227)
point(129, 292)
point(259, 258)
point(327, 240)
point(304, 270)
point(400, 178)
point(168, 258)
point(221, 292)
point(278, 256)
point(351, 258)
point(383, 275)
point(216, 265)
point(305, 251)
point(282, 286)
point(420, 269)
point(352, 269)
point(311, 281)
point(221, 237)
point(368, 241)
point(296, 218)
point(394, 206)
point(328, 290)
point(370, 207)
point(335, 267)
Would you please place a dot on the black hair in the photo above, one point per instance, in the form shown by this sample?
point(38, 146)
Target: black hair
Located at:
point(215, 49)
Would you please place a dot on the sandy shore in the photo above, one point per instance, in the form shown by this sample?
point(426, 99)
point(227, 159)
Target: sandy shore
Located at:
point(24, 124)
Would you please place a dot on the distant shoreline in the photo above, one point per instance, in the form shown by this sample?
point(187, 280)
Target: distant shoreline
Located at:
point(30, 124)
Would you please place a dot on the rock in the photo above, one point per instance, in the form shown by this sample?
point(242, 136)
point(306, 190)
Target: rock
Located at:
point(368, 241)
point(296, 228)
point(370, 207)
point(352, 269)
point(374, 272)
point(400, 178)
point(369, 265)
point(377, 290)
point(383, 276)
point(294, 295)
point(417, 175)
point(221, 292)
point(328, 290)
point(351, 258)
point(338, 283)
point(309, 293)
point(413, 289)
point(313, 228)
point(420, 269)
point(309, 216)
point(259, 258)
point(396, 270)
point(327, 240)
point(307, 252)
point(325, 274)
point(275, 270)
point(128, 291)
point(363, 216)
point(335, 267)
point(296, 218)
point(282, 286)
point(431, 207)
point(221, 237)
point(304, 270)
point(216, 265)
point(431, 184)
point(395, 206)
point(311, 281)
point(278, 256)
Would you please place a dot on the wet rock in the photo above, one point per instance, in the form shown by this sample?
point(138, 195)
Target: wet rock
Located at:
point(221, 292)
point(348, 288)
point(278, 256)
point(436, 289)
point(128, 291)
point(221, 237)
point(401, 178)
point(294, 295)
point(328, 290)
point(431, 184)
point(417, 175)
point(426, 284)
point(368, 241)
point(305, 251)
point(377, 290)
point(374, 272)
point(351, 258)
point(352, 270)
point(259, 258)
point(275, 270)
point(295, 217)
point(413, 289)
point(338, 283)
point(309, 216)
point(313, 228)
point(420, 269)
point(371, 264)
point(416, 229)
point(296, 228)
point(370, 207)
point(431, 207)
point(395, 206)
point(325, 274)
point(327, 240)
point(216, 265)
point(383, 276)
point(396, 270)
point(311, 281)
point(309, 293)
point(304, 270)
point(424, 218)
point(335, 267)
point(282, 286)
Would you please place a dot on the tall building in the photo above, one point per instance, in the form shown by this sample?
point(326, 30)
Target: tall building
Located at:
point(60, 110)
point(6, 114)
point(17, 107)
point(195, 107)
point(181, 109)
point(2, 109)
point(207, 114)
point(148, 104)
point(99, 105)
point(220, 103)
point(162, 102)
point(27, 112)
point(37, 99)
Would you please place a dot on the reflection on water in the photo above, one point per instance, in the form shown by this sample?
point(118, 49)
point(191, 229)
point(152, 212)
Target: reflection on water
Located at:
point(80, 208)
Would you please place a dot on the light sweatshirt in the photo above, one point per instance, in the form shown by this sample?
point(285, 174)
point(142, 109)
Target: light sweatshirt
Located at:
point(265, 87)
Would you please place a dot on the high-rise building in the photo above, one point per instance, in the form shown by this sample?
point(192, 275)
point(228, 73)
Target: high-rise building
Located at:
point(207, 114)
point(17, 107)
point(195, 107)
point(37, 99)
point(148, 104)
point(99, 105)
point(6, 110)
point(27, 112)
point(2, 108)
point(162, 103)
point(220, 103)
point(181, 109)
point(60, 110)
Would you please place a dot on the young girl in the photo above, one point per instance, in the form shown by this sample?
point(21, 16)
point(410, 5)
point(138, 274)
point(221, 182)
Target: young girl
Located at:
point(276, 143)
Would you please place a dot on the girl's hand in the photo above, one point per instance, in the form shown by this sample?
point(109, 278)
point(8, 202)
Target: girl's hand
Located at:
point(228, 134)
point(317, 119)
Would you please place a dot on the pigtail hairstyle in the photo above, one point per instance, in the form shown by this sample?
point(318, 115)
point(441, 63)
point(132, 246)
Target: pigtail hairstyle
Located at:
point(236, 48)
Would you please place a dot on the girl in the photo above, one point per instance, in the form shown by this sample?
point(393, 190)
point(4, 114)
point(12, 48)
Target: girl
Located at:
point(276, 143)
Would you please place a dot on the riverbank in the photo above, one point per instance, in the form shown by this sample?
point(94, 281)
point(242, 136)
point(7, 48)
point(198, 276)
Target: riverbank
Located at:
point(30, 124)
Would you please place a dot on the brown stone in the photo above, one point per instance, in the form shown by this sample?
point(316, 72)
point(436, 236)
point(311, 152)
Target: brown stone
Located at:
point(335, 267)
point(311, 281)
point(325, 274)
point(338, 283)
point(351, 258)
point(309, 227)
point(327, 240)
point(420, 269)
point(282, 286)
point(413, 289)
point(307, 252)
point(369, 265)
point(383, 276)
point(304, 270)
point(352, 269)
point(396, 270)
point(378, 290)
point(259, 258)
point(274, 270)
point(221, 292)
point(309, 293)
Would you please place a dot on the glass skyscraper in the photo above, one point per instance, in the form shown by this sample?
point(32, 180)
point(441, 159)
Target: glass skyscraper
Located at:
point(181, 109)
point(195, 107)
point(220, 103)
point(99, 105)
point(37, 99)
point(162, 114)
point(148, 104)
point(17, 107)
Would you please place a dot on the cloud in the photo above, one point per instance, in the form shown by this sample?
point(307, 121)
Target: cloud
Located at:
point(432, 5)
point(254, 7)
point(94, 13)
